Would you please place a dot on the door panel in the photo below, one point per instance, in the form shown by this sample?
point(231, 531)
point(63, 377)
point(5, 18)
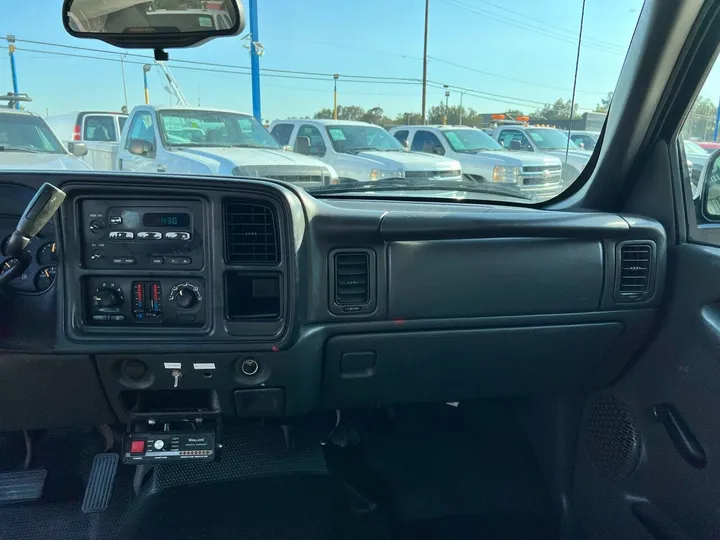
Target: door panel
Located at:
point(626, 453)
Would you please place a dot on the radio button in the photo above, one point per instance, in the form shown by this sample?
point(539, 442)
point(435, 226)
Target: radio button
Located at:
point(172, 235)
point(121, 235)
point(149, 235)
point(124, 260)
point(184, 236)
point(115, 220)
point(100, 317)
point(157, 260)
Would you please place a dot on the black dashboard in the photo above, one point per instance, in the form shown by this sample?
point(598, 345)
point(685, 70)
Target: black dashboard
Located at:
point(252, 298)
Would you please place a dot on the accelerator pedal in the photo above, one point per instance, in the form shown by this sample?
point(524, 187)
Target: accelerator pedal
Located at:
point(101, 482)
point(22, 486)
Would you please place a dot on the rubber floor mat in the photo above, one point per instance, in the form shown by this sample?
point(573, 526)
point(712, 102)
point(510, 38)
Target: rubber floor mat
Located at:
point(283, 508)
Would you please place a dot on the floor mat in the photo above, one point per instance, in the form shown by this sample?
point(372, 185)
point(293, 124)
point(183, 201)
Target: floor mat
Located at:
point(445, 472)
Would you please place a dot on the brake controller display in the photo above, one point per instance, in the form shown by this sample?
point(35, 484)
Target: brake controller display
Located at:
point(168, 446)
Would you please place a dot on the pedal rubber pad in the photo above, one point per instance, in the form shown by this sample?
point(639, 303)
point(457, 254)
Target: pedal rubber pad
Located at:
point(22, 486)
point(100, 485)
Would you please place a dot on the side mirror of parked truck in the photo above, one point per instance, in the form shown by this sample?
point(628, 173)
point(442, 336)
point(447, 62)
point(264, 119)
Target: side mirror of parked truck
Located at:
point(140, 147)
point(302, 146)
point(77, 149)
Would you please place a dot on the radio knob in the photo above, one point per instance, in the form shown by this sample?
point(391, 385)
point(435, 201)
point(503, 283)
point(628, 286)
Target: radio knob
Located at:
point(106, 298)
point(97, 225)
point(186, 297)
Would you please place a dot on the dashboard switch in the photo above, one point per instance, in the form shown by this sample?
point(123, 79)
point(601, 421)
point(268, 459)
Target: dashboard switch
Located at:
point(249, 367)
point(137, 447)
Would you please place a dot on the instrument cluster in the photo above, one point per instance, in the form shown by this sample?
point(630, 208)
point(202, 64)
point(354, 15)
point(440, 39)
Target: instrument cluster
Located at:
point(39, 276)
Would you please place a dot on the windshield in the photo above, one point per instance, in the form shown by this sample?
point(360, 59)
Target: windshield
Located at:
point(693, 148)
point(550, 139)
point(349, 139)
point(366, 88)
point(470, 140)
point(213, 128)
point(25, 132)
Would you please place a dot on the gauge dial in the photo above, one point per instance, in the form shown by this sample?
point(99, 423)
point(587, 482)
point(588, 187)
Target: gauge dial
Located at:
point(47, 254)
point(45, 278)
point(8, 264)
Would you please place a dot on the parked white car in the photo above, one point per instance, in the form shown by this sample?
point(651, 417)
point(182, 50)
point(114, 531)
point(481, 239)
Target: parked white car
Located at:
point(183, 140)
point(26, 142)
point(99, 130)
point(545, 140)
point(362, 152)
point(484, 160)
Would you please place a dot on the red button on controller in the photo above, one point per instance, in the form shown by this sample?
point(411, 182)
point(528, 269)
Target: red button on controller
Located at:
point(137, 447)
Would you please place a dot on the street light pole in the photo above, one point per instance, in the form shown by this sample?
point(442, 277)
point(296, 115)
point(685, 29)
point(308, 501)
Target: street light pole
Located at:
point(461, 105)
point(254, 60)
point(122, 68)
point(447, 99)
point(424, 84)
point(146, 68)
point(13, 69)
point(336, 76)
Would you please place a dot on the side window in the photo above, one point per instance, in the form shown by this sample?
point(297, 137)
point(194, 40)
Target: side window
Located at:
point(426, 141)
point(317, 144)
point(402, 136)
point(141, 128)
point(282, 133)
point(505, 137)
point(99, 128)
point(121, 123)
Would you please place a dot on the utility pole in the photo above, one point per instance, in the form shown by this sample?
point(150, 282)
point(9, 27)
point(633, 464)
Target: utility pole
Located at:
point(461, 105)
point(717, 124)
point(146, 68)
point(447, 100)
point(122, 68)
point(424, 83)
point(13, 69)
point(254, 60)
point(336, 76)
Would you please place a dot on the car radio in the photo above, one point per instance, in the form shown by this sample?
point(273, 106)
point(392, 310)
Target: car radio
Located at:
point(132, 234)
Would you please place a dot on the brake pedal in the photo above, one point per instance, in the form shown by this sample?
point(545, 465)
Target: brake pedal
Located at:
point(22, 486)
point(101, 482)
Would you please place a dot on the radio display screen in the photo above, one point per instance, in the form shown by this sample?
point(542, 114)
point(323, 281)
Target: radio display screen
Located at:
point(171, 219)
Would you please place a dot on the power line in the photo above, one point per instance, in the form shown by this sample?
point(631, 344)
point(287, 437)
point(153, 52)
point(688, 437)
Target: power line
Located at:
point(525, 26)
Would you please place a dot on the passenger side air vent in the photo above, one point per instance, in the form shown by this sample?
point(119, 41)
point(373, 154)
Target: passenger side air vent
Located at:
point(353, 281)
point(635, 268)
point(250, 233)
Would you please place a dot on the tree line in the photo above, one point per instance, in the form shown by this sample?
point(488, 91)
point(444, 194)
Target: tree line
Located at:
point(558, 110)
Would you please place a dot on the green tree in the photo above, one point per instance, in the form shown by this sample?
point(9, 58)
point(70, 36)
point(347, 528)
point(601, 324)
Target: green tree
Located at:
point(700, 123)
point(514, 112)
point(469, 116)
point(560, 110)
point(604, 104)
point(376, 116)
point(408, 119)
point(349, 112)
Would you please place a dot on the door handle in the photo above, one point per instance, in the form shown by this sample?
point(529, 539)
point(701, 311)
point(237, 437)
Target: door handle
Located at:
point(161, 168)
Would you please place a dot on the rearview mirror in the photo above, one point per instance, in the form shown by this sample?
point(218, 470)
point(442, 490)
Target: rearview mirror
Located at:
point(302, 146)
point(139, 24)
point(140, 147)
point(77, 149)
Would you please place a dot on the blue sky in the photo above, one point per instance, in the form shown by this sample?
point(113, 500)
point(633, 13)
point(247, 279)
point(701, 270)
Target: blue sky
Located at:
point(520, 51)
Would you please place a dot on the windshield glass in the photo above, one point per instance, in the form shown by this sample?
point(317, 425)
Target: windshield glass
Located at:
point(213, 128)
point(349, 138)
point(25, 132)
point(470, 140)
point(550, 139)
point(544, 64)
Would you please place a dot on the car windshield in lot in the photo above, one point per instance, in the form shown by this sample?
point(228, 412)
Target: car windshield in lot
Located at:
point(321, 60)
point(27, 133)
point(213, 128)
point(471, 140)
point(352, 139)
point(693, 148)
point(551, 139)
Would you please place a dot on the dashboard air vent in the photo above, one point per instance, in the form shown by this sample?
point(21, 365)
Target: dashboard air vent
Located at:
point(634, 271)
point(250, 233)
point(352, 278)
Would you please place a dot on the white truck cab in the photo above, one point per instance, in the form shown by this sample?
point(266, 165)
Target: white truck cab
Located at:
point(204, 141)
point(484, 160)
point(361, 152)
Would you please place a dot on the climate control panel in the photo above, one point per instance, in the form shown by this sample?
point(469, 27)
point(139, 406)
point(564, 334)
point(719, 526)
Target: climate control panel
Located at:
point(127, 301)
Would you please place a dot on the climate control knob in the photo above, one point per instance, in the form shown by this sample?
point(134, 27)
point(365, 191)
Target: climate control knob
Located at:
point(106, 298)
point(185, 295)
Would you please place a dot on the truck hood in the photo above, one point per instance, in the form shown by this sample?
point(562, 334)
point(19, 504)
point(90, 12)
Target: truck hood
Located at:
point(45, 162)
point(509, 159)
point(576, 158)
point(408, 161)
point(249, 157)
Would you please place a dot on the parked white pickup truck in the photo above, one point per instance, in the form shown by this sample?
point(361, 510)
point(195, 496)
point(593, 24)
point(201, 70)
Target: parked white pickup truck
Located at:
point(484, 160)
point(182, 140)
point(362, 152)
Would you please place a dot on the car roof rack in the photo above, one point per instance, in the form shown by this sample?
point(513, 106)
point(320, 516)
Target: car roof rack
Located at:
point(12, 99)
